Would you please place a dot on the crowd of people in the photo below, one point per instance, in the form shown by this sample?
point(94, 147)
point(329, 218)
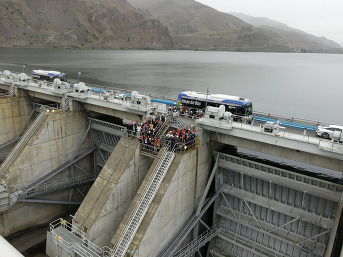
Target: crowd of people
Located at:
point(183, 139)
point(146, 132)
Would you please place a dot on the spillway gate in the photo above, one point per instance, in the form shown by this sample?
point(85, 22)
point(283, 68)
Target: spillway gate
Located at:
point(266, 211)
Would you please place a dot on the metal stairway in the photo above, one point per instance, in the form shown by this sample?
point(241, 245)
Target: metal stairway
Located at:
point(53, 186)
point(65, 103)
point(12, 90)
point(162, 128)
point(143, 203)
point(197, 243)
point(179, 122)
point(22, 143)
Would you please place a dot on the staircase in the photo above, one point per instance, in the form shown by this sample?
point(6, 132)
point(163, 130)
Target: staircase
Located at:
point(65, 103)
point(22, 143)
point(162, 129)
point(197, 243)
point(179, 122)
point(142, 205)
point(53, 186)
point(12, 91)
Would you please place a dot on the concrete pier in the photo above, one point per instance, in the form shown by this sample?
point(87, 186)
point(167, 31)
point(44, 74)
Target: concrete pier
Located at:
point(52, 145)
point(111, 194)
point(14, 114)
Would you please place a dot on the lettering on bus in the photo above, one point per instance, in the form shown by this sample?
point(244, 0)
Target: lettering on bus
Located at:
point(191, 102)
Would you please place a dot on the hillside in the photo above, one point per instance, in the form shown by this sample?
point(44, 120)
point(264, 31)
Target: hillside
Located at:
point(271, 24)
point(109, 24)
point(197, 26)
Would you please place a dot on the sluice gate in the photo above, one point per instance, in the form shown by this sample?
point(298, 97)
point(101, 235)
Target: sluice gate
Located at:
point(266, 211)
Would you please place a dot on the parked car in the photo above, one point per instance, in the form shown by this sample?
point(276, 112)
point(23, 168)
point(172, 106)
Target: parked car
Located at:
point(328, 132)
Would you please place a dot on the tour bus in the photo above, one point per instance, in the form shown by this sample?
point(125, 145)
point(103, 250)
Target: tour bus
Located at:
point(196, 101)
point(48, 75)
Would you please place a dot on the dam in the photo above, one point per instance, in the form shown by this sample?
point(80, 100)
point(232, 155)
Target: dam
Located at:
point(69, 160)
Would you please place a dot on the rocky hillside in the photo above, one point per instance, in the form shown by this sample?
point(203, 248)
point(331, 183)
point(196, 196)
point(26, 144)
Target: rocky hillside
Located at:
point(109, 24)
point(281, 28)
point(196, 26)
point(150, 24)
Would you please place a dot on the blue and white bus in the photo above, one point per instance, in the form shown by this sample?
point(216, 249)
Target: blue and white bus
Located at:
point(199, 101)
point(48, 75)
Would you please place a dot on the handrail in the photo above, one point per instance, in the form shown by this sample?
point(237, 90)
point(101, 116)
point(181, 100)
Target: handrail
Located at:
point(55, 185)
point(22, 142)
point(291, 119)
point(92, 249)
point(119, 250)
point(194, 245)
point(107, 124)
point(14, 78)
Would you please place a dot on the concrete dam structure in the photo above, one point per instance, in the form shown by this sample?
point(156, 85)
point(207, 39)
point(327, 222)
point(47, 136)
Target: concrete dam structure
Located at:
point(69, 161)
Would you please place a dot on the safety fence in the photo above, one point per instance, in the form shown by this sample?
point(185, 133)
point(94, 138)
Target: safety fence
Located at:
point(73, 240)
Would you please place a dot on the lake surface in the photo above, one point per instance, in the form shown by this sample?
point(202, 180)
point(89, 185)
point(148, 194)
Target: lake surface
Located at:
point(308, 86)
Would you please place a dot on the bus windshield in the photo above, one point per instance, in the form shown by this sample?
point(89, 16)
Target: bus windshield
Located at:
point(248, 108)
point(62, 77)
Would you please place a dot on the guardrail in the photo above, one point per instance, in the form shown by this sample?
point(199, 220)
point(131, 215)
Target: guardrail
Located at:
point(52, 186)
point(87, 248)
point(258, 116)
point(4, 94)
point(50, 107)
point(290, 119)
point(197, 243)
point(108, 125)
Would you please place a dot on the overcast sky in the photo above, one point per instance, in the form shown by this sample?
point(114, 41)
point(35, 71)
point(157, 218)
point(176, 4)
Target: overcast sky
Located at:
point(317, 17)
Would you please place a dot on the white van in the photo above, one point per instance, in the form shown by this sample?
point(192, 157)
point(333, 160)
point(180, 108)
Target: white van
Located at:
point(329, 132)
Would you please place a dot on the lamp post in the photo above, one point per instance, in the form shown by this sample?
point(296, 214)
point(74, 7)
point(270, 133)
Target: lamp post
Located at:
point(207, 91)
point(23, 68)
point(78, 77)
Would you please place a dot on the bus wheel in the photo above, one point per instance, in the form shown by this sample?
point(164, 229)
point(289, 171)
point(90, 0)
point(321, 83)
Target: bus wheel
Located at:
point(325, 135)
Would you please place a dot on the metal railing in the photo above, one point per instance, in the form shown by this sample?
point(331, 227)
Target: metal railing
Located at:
point(49, 107)
point(182, 147)
point(4, 94)
point(270, 170)
point(22, 142)
point(108, 125)
point(253, 246)
point(123, 242)
point(85, 249)
point(290, 119)
point(150, 149)
point(197, 243)
point(14, 78)
point(56, 185)
point(65, 104)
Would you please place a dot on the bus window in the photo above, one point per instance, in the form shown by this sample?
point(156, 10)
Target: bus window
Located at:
point(241, 111)
point(231, 109)
point(248, 111)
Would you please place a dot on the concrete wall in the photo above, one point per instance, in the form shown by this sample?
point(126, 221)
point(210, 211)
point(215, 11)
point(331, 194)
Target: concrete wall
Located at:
point(112, 112)
point(25, 215)
point(14, 112)
point(174, 203)
point(283, 152)
point(111, 194)
point(52, 145)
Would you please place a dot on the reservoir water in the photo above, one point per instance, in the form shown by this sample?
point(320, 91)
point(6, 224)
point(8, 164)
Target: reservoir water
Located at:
point(308, 86)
